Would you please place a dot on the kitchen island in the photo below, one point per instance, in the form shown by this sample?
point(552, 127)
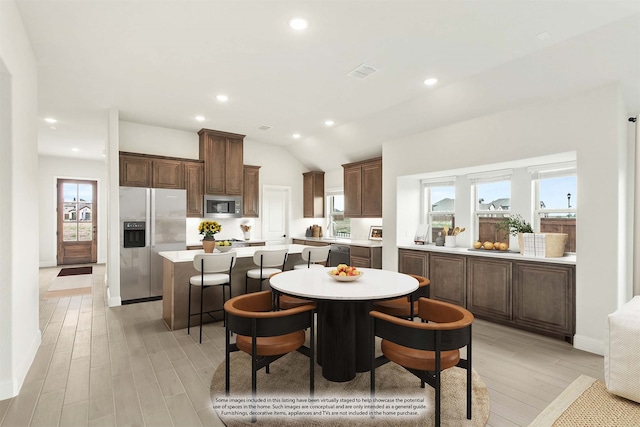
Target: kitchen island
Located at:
point(177, 268)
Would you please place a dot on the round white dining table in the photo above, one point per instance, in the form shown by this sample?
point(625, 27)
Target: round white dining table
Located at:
point(343, 313)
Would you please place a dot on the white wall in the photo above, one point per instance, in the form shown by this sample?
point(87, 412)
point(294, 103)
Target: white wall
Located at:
point(19, 327)
point(138, 138)
point(587, 124)
point(50, 169)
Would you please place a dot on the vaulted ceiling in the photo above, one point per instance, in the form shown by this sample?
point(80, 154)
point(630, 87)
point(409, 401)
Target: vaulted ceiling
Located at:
point(162, 63)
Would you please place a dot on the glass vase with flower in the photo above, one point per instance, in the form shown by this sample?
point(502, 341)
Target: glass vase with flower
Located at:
point(209, 229)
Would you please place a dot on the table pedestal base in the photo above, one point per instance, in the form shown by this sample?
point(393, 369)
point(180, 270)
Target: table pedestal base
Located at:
point(343, 339)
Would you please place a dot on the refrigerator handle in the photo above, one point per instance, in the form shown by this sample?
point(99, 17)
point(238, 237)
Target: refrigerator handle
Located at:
point(152, 210)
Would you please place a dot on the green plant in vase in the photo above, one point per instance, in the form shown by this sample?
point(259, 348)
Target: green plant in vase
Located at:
point(514, 225)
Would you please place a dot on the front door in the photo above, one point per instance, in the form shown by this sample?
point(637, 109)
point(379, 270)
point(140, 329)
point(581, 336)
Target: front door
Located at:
point(275, 218)
point(77, 222)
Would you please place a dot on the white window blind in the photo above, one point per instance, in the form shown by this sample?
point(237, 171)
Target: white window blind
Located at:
point(553, 171)
point(492, 176)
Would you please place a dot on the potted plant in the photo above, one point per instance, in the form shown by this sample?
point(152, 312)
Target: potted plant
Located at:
point(516, 225)
point(209, 229)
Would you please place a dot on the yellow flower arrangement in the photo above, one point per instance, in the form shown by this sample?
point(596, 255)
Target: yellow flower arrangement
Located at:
point(209, 228)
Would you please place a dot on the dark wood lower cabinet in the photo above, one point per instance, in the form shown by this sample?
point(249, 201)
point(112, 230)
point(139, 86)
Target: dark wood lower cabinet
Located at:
point(448, 278)
point(535, 296)
point(545, 298)
point(489, 287)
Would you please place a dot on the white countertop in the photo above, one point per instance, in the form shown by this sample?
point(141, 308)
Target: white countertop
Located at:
point(343, 241)
point(567, 259)
point(315, 283)
point(199, 242)
point(242, 252)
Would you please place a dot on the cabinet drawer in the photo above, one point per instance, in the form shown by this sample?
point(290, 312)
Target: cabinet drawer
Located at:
point(359, 251)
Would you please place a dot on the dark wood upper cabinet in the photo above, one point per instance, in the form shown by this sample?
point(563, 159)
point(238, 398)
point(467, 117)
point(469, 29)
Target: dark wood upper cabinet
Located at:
point(141, 170)
point(223, 154)
point(251, 192)
point(167, 174)
point(194, 183)
point(313, 194)
point(135, 170)
point(363, 189)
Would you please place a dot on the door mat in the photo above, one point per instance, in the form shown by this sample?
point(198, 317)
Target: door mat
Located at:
point(75, 271)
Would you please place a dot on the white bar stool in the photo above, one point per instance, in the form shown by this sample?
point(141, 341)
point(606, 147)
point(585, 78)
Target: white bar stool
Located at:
point(215, 270)
point(314, 255)
point(270, 261)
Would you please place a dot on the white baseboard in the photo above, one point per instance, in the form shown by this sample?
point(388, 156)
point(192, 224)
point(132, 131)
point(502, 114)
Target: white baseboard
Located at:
point(588, 344)
point(113, 301)
point(11, 387)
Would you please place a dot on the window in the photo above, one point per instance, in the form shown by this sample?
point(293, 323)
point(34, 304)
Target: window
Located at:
point(556, 198)
point(439, 197)
point(492, 204)
point(335, 213)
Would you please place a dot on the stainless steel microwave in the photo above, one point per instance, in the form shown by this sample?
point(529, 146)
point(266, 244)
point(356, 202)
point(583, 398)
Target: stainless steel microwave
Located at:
point(223, 206)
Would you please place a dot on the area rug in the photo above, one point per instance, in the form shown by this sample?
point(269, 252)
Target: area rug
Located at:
point(586, 402)
point(75, 271)
point(66, 286)
point(399, 399)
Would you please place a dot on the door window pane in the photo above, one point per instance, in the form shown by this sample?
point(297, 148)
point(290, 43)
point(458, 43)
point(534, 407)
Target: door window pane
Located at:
point(78, 212)
point(70, 231)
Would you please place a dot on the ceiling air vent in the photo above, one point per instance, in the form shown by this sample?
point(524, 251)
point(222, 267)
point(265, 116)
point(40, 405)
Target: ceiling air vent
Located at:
point(264, 127)
point(361, 72)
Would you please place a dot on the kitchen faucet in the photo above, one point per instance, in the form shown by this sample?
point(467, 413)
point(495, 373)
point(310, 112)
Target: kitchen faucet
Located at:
point(331, 229)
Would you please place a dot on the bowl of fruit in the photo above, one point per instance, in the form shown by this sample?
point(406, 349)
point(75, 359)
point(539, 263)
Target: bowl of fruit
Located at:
point(223, 245)
point(345, 273)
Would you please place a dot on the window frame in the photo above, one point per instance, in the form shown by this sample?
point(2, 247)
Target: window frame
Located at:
point(485, 178)
point(539, 173)
point(427, 203)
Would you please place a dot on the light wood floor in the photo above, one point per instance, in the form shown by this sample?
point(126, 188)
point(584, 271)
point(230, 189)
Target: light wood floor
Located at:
point(101, 366)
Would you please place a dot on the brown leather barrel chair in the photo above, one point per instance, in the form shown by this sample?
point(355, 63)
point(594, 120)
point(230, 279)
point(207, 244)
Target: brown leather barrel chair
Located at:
point(425, 349)
point(405, 307)
point(265, 334)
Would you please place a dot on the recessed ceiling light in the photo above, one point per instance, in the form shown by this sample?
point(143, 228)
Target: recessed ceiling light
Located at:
point(431, 81)
point(222, 98)
point(329, 123)
point(296, 136)
point(200, 118)
point(298, 23)
point(50, 120)
point(75, 149)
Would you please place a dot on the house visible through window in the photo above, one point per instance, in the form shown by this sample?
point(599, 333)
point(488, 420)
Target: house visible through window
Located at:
point(440, 203)
point(556, 192)
point(493, 204)
point(335, 214)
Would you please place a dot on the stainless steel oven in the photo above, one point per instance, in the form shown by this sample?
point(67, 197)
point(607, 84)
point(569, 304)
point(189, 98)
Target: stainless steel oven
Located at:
point(223, 206)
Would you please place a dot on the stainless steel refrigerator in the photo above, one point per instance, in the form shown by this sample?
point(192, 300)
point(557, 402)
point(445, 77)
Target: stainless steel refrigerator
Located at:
point(152, 220)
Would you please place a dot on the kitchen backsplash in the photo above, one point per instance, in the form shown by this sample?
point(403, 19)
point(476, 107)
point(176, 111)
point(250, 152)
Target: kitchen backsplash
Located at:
point(230, 229)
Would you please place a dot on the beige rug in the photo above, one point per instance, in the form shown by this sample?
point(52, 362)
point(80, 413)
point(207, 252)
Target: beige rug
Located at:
point(64, 286)
point(401, 401)
point(586, 402)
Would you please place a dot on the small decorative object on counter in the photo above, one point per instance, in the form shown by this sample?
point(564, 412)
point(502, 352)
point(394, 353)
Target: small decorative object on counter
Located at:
point(316, 230)
point(421, 234)
point(209, 229)
point(309, 232)
point(246, 229)
point(450, 241)
point(439, 239)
